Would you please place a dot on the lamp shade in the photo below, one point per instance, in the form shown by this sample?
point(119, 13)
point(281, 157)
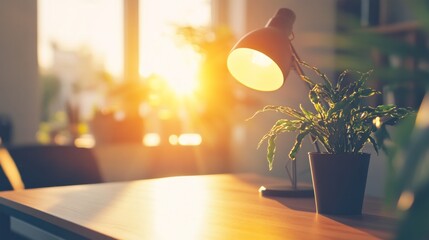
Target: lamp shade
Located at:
point(261, 60)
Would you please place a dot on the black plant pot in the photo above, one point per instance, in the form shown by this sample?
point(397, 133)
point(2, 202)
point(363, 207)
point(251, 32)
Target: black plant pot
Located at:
point(339, 182)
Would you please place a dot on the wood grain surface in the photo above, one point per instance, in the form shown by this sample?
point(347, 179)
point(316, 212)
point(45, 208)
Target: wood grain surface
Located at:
point(222, 206)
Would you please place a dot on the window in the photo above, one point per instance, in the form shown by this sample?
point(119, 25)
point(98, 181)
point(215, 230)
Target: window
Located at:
point(81, 58)
point(159, 51)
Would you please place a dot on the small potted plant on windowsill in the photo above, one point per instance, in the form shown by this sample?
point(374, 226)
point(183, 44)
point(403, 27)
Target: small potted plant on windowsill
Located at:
point(342, 123)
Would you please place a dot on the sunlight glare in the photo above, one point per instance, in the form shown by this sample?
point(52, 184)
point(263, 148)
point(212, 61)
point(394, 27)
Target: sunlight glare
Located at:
point(159, 51)
point(182, 78)
point(151, 140)
point(185, 222)
point(85, 141)
point(179, 70)
point(72, 25)
point(190, 139)
point(173, 139)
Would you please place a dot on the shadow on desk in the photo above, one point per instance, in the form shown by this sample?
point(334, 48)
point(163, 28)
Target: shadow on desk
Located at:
point(372, 224)
point(373, 220)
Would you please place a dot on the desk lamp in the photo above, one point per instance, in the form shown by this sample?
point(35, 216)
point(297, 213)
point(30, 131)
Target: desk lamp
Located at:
point(262, 60)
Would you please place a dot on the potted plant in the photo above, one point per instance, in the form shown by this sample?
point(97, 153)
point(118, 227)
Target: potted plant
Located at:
point(342, 122)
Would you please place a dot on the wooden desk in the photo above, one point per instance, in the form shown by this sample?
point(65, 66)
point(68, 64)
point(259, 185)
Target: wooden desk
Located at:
point(195, 207)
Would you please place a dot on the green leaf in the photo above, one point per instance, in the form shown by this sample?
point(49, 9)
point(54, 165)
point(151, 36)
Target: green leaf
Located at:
point(271, 151)
point(337, 106)
point(363, 137)
point(374, 144)
point(320, 73)
point(297, 145)
point(367, 92)
point(308, 115)
point(384, 108)
point(341, 78)
point(314, 98)
point(308, 80)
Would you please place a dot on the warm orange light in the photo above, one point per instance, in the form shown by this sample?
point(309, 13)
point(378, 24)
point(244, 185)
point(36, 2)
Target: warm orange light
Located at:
point(61, 139)
point(406, 200)
point(179, 70)
point(255, 70)
point(85, 141)
point(190, 139)
point(151, 140)
point(161, 53)
point(102, 35)
point(165, 114)
point(423, 114)
point(186, 139)
point(10, 170)
point(173, 139)
point(193, 200)
point(261, 189)
point(119, 115)
point(377, 122)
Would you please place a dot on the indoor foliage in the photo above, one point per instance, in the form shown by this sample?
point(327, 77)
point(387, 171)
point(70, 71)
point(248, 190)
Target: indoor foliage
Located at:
point(342, 121)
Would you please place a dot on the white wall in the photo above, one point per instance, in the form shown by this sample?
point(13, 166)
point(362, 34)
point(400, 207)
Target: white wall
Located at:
point(19, 95)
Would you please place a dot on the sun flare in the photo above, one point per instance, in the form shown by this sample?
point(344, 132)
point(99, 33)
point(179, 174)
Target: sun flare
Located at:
point(160, 52)
point(179, 70)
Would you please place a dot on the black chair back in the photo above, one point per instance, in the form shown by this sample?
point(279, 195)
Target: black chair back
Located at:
point(55, 165)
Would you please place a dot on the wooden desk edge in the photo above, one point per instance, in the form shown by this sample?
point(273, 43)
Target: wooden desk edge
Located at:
point(57, 226)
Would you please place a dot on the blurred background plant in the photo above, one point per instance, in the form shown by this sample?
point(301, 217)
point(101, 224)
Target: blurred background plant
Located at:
point(407, 190)
point(71, 89)
point(392, 38)
point(398, 53)
point(395, 47)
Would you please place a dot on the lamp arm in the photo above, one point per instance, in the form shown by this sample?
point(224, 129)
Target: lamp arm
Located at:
point(297, 66)
point(300, 72)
